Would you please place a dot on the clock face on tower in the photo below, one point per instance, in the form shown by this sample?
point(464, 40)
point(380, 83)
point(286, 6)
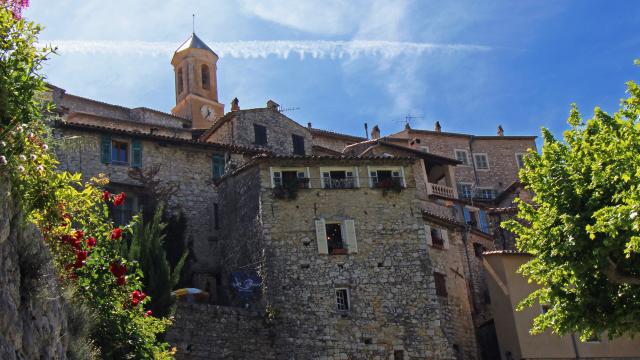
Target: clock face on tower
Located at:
point(207, 112)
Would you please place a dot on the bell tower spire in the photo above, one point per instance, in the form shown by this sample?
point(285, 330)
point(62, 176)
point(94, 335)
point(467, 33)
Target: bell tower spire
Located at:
point(195, 67)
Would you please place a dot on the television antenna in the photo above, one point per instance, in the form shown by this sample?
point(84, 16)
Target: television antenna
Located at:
point(289, 109)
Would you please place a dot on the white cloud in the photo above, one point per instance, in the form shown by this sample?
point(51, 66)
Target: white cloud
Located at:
point(330, 17)
point(262, 49)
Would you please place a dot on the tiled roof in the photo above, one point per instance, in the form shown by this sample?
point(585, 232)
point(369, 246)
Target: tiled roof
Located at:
point(326, 149)
point(506, 252)
point(422, 154)
point(216, 125)
point(329, 157)
point(176, 140)
point(445, 219)
point(477, 137)
point(194, 42)
point(502, 210)
point(336, 134)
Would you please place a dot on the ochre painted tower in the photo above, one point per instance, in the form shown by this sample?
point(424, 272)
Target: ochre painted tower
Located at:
point(195, 68)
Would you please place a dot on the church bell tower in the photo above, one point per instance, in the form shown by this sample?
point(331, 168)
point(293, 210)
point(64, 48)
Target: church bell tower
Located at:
point(194, 64)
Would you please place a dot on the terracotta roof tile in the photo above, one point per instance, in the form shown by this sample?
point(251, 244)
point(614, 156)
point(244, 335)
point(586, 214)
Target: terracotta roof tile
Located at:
point(506, 252)
point(336, 134)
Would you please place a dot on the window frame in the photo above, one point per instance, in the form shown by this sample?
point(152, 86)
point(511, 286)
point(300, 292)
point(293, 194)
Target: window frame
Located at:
point(461, 191)
point(440, 282)
point(466, 156)
point(276, 173)
point(344, 248)
point(346, 169)
point(347, 299)
point(213, 165)
point(293, 144)
point(128, 151)
point(424, 148)
point(131, 201)
point(520, 160)
point(255, 135)
point(204, 69)
point(480, 189)
point(396, 169)
point(436, 244)
point(475, 163)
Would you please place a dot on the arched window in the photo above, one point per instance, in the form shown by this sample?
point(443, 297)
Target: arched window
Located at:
point(179, 81)
point(205, 76)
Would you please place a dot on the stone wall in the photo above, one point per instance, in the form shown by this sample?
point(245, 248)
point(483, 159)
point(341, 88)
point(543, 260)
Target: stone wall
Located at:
point(211, 332)
point(33, 318)
point(331, 142)
point(189, 167)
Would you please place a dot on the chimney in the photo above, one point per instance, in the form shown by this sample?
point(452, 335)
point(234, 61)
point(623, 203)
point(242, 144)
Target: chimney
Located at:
point(375, 132)
point(235, 104)
point(500, 130)
point(407, 126)
point(272, 105)
point(309, 124)
point(366, 131)
point(438, 127)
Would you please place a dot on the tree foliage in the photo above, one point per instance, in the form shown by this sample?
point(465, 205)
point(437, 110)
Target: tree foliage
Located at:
point(147, 248)
point(582, 226)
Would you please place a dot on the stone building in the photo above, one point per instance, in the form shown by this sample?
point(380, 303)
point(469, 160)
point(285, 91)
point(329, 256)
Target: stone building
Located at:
point(312, 243)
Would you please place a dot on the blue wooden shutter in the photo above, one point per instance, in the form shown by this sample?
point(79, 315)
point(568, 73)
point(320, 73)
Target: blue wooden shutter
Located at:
point(136, 153)
point(467, 215)
point(105, 149)
point(217, 165)
point(484, 225)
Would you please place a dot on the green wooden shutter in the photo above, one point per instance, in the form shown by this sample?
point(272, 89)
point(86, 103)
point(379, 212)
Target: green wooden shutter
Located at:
point(105, 149)
point(217, 165)
point(136, 153)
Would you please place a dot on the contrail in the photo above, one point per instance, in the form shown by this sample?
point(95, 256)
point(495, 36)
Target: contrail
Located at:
point(317, 49)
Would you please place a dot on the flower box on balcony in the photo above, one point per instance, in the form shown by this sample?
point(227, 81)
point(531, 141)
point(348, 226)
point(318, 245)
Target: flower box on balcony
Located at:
point(339, 252)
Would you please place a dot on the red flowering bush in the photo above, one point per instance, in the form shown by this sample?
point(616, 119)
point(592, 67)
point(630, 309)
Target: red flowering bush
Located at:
point(72, 214)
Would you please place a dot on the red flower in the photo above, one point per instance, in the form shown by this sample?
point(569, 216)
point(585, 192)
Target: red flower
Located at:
point(79, 234)
point(73, 275)
point(81, 255)
point(76, 244)
point(106, 195)
point(91, 242)
point(117, 269)
point(78, 264)
point(121, 280)
point(67, 239)
point(116, 234)
point(118, 199)
point(137, 296)
point(148, 313)
point(66, 218)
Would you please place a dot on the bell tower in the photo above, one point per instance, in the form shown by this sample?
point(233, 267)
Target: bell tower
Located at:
point(195, 65)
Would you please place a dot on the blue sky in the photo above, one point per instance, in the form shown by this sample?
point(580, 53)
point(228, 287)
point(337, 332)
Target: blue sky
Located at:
point(472, 65)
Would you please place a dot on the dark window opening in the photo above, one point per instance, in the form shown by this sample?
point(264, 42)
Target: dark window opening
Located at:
point(342, 299)
point(119, 152)
point(123, 214)
point(386, 178)
point(478, 249)
point(441, 284)
point(436, 238)
point(398, 355)
point(334, 239)
point(260, 134)
point(545, 308)
point(338, 180)
point(298, 144)
point(205, 77)
point(218, 164)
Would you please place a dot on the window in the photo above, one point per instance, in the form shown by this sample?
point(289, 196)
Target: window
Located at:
point(465, 190)
point(441, 284)
point(386, 178)
point(289, 178)
point(462, 156)
point(398, 355)
point(544, 308)
point(204, 70)
point(123, 214)
point(342, 299)
point(486, 193)
point(338, 179)
point(436, 238)
point(520, 160)
point(424, 149)
point(298, 144)
point(179, 82)
point(218, 165)
point(336, 238)
point(478, 249)
point(481, 161)
point(260, 134)
point(119, 152)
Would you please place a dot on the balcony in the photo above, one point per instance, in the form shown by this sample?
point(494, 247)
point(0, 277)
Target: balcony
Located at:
point(345, 183)
point(440, 190)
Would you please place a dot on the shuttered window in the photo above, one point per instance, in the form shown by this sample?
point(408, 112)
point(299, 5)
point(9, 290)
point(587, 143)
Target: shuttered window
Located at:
point(438, 238)
point(350, 232)
point(441, 284)
point(136, 153)
point(336, 238)
point(298, 144)
point(321, 237)
point(105, 149)
point(484, 224)
point(260, 133)
point(217, 165)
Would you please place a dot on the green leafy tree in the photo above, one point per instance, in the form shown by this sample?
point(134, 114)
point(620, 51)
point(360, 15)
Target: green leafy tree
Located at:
point(147, 247)
point(582, 226)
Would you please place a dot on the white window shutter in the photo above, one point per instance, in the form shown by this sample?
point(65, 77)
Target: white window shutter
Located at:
point(350, 231)
point(321, 237)
point(427, 234)
point(445, 238)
